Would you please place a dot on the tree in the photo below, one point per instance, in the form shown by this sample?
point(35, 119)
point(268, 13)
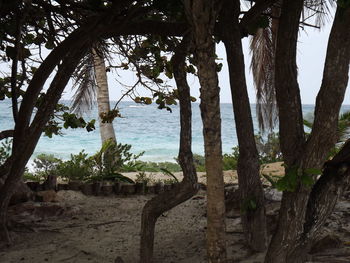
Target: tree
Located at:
point(65, 56)
point(305, 208)
point(106, 128)
point(202, 16)
point(189, 185)
point(252, 195)
point(92, 83)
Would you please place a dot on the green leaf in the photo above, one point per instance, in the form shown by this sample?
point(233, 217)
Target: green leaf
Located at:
point(307, 180)
point(50, 45)
point(312, 171)
point(167, 172)
point(168, 74)
point(148, 100)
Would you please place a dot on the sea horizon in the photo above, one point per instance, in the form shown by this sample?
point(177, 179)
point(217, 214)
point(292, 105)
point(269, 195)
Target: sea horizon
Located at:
point(150, 130)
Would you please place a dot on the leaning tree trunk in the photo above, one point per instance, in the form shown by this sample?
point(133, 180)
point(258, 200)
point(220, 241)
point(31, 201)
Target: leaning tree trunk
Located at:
point(26, 136)
point(23, 146)
point(106, 128)
point(202, 15)
point(253, 217)
point(303, 211)
point(188, 187)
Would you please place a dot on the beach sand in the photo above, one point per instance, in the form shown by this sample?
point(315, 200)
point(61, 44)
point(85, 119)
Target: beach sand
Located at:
point(85, 229)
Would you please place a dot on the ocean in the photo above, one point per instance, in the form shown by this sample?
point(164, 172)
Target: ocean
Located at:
point(146, 128)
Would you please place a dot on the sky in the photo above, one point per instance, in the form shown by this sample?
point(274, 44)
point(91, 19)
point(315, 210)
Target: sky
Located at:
point(311, 53)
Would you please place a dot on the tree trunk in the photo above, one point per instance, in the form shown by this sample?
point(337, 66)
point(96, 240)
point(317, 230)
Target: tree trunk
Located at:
point(23, 147)
point(106, 128)
point(302, 213)
point(202, 15)
point(188, 187)
point(253, 218)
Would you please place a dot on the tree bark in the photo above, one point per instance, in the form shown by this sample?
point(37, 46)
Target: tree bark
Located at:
point(335, 177)
point(188, 187)
point(290, 128)
point(202, 15)
point(303, 213)
point(253, 219)
point(106, 129)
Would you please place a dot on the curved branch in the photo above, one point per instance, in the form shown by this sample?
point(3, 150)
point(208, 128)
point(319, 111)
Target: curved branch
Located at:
point(6, 134)
point(188, 187)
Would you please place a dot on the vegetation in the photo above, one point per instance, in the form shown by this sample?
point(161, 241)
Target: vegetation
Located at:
point(169, 39)
point(5, 150)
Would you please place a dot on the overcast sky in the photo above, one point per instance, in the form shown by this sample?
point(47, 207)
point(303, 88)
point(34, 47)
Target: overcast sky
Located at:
point(311, 54)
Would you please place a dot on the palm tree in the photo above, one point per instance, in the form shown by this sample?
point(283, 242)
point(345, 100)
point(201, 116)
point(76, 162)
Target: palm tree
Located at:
point(92, 84)
point(106, 128)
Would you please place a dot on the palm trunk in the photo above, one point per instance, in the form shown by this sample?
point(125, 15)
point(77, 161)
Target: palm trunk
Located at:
point(253, 218)
point(203, 15)
point(106, 128)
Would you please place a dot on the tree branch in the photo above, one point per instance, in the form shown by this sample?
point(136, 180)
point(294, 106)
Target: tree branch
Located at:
point(333, 87)
point(6, 134)
point(253, 13)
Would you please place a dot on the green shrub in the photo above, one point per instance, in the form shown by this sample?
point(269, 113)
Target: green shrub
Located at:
point(113, 159)
point(28, 176)
point(199, 162)
point(229, 161)
point(157, 167)
point(268, 148)
point(45, 165)
point(79, 167)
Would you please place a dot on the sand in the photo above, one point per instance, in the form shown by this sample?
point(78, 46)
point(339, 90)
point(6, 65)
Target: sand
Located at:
point(99, 229)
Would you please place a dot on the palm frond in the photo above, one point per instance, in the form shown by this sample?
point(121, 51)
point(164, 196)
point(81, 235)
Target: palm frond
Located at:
point(85, 85)
point(307, 123)
point(262, 48)
point(85, 80)
point(317, 12)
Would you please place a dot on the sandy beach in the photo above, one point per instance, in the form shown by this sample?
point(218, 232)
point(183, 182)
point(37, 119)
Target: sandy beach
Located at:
point(100, 229)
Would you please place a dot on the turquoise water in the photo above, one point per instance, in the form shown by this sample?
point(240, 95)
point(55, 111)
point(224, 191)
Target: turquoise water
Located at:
point(146, 128)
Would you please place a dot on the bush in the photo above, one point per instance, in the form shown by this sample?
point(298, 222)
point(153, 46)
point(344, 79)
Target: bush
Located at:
point(229, 161)
point(79, 167)
point(157, 167)
point(268, 148)
point(45, 165)
point(113, 159)
point(28, 176)
point(199, 162)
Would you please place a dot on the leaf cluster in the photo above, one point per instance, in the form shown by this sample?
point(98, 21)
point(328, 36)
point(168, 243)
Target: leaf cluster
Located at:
point(5, 150)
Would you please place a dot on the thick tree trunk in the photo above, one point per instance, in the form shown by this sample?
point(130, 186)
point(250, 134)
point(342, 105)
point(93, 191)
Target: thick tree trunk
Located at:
point(253, 218)
point(188, 187)
point(202, 15)
point(335, 176)
point(106, 128)
point(291, 130)
point(301, 213)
